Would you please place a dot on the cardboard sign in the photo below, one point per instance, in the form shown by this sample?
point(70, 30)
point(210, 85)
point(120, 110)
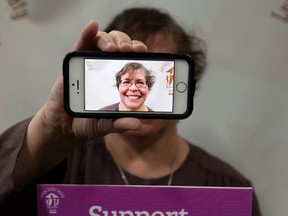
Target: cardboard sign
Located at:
point(110, 200)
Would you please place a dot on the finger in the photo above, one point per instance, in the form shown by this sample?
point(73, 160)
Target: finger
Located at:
point(87, 36)
point(105, 42)
point(122, 41)
point(138, 46)
point(127, 124)
point(106, 126)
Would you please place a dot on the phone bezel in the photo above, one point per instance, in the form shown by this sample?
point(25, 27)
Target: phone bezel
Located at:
point(130, 56)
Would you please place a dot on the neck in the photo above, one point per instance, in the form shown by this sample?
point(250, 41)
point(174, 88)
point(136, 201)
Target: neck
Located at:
point(149, 157)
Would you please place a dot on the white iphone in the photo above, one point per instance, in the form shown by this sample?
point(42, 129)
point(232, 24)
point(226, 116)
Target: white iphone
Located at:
point(141, 85)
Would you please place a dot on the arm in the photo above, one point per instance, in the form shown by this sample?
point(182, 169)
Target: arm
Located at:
point(52, 134)
point(10, 144)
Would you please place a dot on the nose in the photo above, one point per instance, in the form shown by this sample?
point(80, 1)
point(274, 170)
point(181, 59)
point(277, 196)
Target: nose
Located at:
point(133, 87)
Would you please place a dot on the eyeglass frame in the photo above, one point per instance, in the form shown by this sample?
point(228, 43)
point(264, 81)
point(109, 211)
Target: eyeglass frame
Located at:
point(143, 84)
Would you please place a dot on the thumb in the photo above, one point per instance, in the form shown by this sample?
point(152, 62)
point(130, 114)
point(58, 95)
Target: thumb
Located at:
point(87, 36)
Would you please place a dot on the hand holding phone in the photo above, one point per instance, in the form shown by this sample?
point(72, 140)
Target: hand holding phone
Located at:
point(141, 85)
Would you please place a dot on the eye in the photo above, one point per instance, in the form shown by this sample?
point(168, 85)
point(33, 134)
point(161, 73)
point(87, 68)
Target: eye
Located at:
point(125, 83)
point(140, 83)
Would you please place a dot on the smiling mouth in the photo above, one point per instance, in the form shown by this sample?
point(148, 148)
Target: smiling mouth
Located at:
point(133, 96)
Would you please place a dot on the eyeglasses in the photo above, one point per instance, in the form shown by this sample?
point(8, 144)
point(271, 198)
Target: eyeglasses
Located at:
point(138, 84)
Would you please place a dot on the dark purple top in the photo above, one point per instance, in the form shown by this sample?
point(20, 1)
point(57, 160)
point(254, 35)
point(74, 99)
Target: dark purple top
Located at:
point(115, 107)
point(91, 163)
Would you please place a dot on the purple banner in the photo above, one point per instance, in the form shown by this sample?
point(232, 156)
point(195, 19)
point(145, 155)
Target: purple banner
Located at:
point(92, 200)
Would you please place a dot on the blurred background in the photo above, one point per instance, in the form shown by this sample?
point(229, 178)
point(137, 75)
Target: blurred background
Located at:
point(241, 105)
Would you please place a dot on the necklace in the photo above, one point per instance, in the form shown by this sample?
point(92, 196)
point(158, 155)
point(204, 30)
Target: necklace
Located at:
point(124, 178)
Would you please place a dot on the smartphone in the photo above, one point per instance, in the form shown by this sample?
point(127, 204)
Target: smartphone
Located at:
point(141, 85)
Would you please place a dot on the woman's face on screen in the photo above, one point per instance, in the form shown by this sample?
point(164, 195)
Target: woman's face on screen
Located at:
point(133, 91)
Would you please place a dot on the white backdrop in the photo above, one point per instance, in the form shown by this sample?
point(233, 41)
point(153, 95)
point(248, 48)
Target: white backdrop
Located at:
point(240, 109)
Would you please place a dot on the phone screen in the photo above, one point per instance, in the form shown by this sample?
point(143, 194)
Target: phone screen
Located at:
point(141, 85)
point(128, 85)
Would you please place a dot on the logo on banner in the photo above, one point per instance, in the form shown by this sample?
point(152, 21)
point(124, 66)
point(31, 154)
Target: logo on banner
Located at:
point(168, 68)
point(169, 80)
point(52, 197)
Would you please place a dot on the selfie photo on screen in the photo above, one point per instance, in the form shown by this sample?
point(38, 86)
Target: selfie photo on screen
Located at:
point(129, 85)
